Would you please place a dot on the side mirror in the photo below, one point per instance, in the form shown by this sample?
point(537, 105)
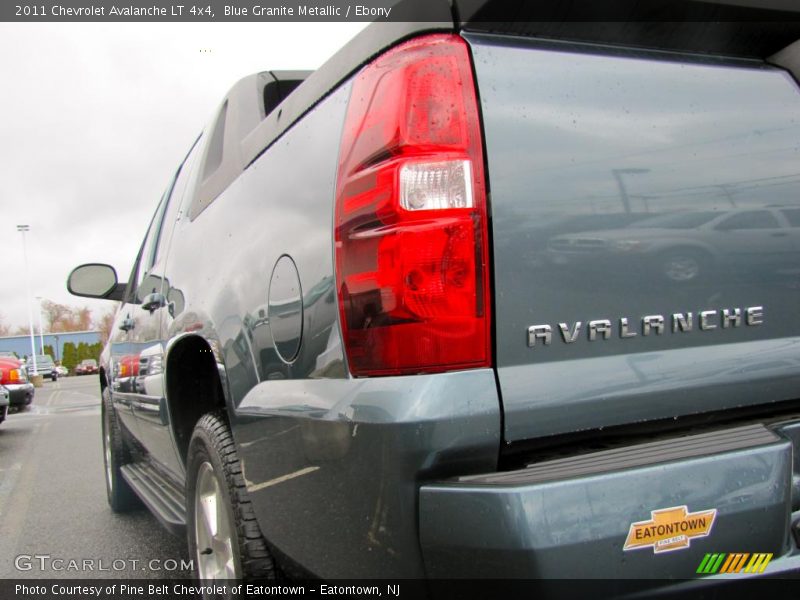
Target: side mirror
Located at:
point(95, 281)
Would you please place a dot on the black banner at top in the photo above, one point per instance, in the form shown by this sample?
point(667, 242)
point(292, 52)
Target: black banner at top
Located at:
point(461, 11)
point(199, 11)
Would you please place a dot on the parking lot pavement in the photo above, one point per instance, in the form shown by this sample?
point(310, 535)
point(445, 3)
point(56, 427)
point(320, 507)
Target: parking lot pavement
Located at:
point(54, 518)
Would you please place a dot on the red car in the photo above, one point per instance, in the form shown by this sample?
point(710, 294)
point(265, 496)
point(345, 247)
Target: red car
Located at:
point(87, 367)
point(125, 372)
point(14, 378)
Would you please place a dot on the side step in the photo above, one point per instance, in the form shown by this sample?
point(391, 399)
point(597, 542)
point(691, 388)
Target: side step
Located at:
point(163, 497)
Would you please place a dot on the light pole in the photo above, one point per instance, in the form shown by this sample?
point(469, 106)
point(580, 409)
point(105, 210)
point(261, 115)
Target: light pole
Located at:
point(41, 335)
point(23, 229)
point(623, 191)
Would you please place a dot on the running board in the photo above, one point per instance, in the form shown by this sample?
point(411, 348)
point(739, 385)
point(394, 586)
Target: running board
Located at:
point(163, 497)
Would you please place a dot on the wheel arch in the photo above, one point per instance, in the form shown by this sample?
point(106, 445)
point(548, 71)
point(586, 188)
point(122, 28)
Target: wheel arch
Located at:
point(103, 381)
point(193, 386)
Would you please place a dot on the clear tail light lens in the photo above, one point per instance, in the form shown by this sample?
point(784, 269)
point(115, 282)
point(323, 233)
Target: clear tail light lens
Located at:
point(436, 186)
point(411, 225)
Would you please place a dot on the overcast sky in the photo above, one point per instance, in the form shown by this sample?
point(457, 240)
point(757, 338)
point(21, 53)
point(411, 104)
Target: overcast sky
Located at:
point(94, 119)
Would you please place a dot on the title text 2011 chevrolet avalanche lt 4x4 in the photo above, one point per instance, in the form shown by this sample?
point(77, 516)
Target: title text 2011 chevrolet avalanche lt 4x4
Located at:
point(357, 350)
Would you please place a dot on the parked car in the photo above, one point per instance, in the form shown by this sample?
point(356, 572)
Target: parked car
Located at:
point(44, 366)
point(86, 367)
point(126, 369)
point(686, 246)
point(61, 371)
point(349, 368)
point(15, 379)
point(4, 403)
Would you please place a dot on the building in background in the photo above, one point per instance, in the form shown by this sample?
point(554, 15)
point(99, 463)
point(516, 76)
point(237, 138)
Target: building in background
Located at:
point(21, 344)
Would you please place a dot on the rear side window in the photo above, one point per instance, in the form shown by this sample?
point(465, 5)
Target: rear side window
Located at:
point(751, 219)
point(216, 144)
point(176, 203)
point(142, 263)
point(793, 216)
point(157, 236)
point(212, 179)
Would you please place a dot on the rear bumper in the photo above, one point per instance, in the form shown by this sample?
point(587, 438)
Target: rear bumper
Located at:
point(339, 493)
point(572, 518)
point(366, 479)
point(20, 394)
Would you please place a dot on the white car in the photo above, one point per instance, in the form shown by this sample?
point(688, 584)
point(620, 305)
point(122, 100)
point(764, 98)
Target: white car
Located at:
point(4, 402)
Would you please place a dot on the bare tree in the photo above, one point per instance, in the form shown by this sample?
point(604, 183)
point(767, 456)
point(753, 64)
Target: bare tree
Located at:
point(4, 329)
point(105, 323)
point(55, 314)
point(61, 317)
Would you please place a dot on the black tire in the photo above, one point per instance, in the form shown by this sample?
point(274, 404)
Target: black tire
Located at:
point(212, 447)
point(121, 498)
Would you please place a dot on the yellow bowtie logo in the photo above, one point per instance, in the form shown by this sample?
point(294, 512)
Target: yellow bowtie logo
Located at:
point(670, 529)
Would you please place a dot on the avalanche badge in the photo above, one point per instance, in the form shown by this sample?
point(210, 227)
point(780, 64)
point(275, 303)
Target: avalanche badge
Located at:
point(670, 529)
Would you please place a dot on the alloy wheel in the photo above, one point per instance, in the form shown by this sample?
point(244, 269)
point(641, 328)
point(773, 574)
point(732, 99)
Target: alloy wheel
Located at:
point(212, 528)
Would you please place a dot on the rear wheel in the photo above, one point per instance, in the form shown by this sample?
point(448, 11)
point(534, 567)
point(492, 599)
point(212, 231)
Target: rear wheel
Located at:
point(224, 538)
point(121, 497)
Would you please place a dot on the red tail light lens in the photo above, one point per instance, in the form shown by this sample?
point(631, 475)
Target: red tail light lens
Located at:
point(16, 376)
point(411, 223)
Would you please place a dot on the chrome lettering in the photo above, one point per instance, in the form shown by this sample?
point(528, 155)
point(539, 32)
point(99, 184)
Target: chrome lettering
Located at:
point(682, 322)
point(567, 335)
point(705, 315)
point(731, 318)
point(601, 326)
point(652, 323)
point(623, 329)
point(541, 332)
point(755, 315)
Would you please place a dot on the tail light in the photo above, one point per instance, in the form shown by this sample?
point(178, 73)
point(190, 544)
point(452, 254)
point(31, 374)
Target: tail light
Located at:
point(17, 376)
point(411, 217)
